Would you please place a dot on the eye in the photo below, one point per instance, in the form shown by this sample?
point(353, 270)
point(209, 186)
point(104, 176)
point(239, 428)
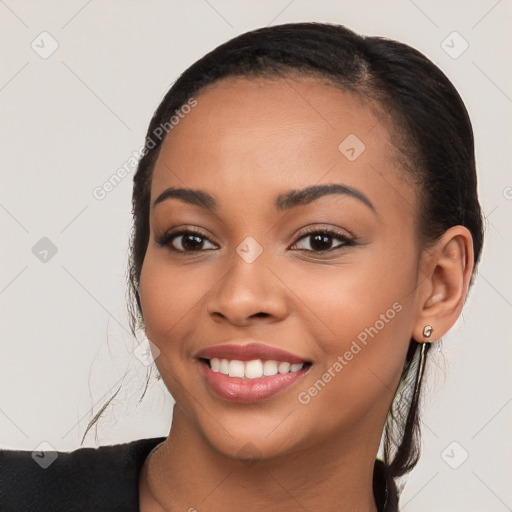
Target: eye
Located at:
point(315, 240)
point(186, 240)
point(322, 240)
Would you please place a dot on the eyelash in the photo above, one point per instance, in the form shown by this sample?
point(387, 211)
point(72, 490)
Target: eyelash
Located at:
point(167, 238)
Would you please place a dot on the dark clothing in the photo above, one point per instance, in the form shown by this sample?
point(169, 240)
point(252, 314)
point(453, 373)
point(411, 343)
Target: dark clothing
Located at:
point(103, 479)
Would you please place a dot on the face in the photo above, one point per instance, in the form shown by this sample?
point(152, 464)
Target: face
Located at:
point(257, 267)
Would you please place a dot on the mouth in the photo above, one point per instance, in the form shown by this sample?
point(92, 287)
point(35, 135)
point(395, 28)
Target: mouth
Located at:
point(252, 369)
point(250, 381)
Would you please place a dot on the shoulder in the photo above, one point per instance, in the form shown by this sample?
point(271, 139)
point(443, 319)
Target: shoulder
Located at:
point(101, 478)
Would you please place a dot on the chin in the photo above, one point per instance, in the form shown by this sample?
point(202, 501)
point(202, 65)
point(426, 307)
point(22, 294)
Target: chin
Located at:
point(250, 435)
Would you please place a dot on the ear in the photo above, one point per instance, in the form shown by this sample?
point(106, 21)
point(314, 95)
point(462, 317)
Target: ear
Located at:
point(446, 270)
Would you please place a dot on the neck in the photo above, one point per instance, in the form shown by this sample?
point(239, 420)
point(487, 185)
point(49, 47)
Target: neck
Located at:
point(186, 473)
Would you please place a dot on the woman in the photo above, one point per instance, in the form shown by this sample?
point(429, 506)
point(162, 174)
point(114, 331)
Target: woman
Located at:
point(306, 224)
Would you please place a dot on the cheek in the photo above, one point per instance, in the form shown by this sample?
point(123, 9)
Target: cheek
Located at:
point(353, 297)
point(170, 296)
point(366, 315)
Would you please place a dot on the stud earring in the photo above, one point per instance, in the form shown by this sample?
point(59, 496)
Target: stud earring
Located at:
point(427, 331)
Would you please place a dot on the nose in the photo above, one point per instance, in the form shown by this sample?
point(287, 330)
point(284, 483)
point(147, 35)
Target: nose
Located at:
point(248, 293)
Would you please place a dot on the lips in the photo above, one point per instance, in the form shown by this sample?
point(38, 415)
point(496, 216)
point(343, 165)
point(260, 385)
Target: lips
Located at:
point(249, 373)
point(249, 352)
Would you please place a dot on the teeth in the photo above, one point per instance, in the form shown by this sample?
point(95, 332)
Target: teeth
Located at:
point(254, 369)
point(284, 367)
point(236, 369)
point(269, 368)
point(224, 366)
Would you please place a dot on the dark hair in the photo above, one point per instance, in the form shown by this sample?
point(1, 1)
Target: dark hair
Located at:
point(434, 142)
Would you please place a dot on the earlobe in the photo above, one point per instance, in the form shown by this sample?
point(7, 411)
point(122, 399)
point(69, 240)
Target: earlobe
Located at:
point(449, 267)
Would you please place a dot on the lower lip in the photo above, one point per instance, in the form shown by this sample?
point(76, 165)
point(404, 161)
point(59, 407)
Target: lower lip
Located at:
point(246, 391)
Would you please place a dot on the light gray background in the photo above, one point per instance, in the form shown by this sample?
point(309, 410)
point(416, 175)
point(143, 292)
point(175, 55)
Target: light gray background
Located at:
point(69, 121)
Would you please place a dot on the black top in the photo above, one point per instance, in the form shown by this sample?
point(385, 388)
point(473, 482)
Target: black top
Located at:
point(103, 479)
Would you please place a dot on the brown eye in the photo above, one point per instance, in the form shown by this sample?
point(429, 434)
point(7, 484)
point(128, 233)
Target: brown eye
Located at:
point(323, 240)
point(186, 241)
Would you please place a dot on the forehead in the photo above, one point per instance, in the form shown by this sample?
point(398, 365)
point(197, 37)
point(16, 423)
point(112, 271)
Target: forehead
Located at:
point(280, 133)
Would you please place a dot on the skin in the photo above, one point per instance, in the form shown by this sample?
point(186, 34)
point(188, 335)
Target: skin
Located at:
point(244, 143)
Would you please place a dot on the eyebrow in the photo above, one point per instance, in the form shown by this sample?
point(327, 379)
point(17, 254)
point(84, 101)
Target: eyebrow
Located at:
point(283, 202)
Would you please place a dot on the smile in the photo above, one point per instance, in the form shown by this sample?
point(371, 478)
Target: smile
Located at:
point(254, 369)
point(250, 381)
point(249, 372)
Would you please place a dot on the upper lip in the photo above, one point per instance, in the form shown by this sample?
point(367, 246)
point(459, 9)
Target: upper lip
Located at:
point(248, 352)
